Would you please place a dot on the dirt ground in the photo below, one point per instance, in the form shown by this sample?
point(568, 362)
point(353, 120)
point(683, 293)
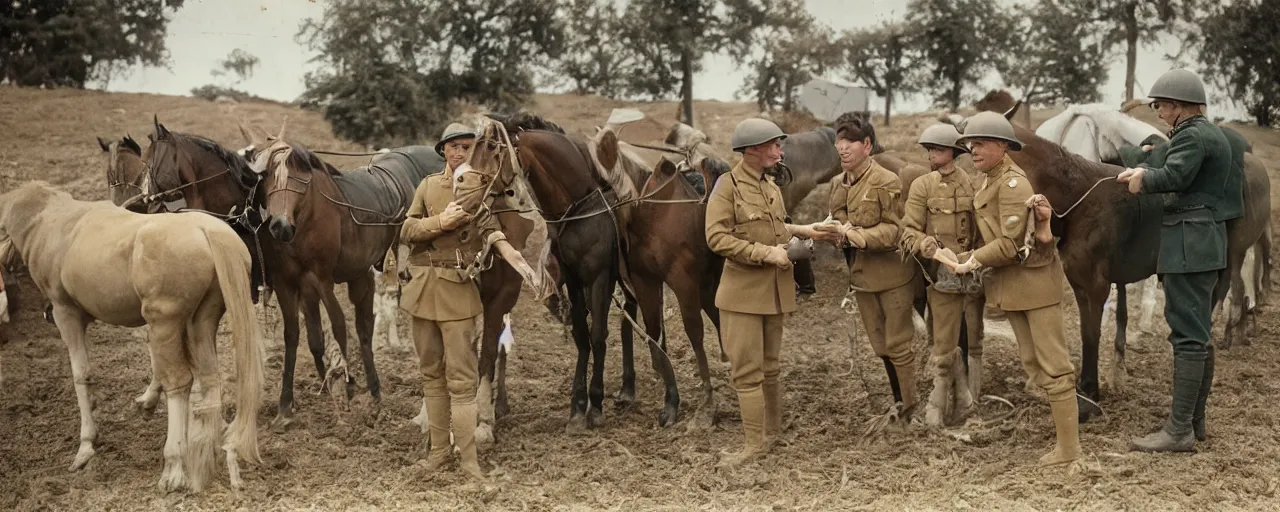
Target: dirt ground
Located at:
point(337, 457)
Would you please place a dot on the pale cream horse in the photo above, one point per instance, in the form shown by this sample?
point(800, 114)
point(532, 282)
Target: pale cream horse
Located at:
point(177, 274)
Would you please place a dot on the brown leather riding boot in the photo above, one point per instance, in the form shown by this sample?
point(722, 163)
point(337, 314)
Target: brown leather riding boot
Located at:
point(438, 428)
point(1066, 421)
point(464, 433)
point(753, 420)
point(772, 410)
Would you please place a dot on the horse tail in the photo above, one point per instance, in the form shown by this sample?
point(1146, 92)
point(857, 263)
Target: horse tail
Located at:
point(231, 261)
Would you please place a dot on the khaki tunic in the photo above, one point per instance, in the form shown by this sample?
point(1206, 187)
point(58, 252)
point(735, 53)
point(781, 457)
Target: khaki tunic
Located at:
point(440, 289)
point(745, 216)
point(1028, 288)
point(1015, 283)
point(870, 201)
point(941, 206)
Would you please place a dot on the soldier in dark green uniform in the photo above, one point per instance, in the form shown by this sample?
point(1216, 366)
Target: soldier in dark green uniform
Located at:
point(1197, 176)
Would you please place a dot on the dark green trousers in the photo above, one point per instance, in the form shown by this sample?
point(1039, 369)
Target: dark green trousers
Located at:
point(1188, 308)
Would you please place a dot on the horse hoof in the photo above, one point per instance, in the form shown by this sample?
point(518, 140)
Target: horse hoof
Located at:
point(624, 402)
point(171, 480)
point(595, 418)
point(668, 416)
point(484, 437)
point(1087, 409)
point(577, 424)
point(85, 453)
point(281, 424)
point(704, 419)
point(145, 408)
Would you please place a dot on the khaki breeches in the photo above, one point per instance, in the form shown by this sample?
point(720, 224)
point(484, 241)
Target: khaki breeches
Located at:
point(447, 358)
point(753, 344)
point(947, 310)
point(886, 317)
point(1042, 347)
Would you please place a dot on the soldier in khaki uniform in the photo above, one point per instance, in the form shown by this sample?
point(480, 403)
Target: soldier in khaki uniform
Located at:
point(445, 301)
point(865, 200)
point(1026, 278)
point(746, 225)
point(938, 222)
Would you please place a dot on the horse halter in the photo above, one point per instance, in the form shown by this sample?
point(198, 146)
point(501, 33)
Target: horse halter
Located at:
point(277, 156)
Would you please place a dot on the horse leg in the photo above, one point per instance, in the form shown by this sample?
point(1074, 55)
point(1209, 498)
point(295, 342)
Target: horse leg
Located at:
point(287, 299)
point(1118, 371)
point(1089, 301)
point(1237, 311)
point(310, 301)
point(71, 325)
point(499, 290)
point(1150, 287)
point(627, 393)
point(176, 377)
point(649, 294)
point(206, 428)
point(689, 296)
point(146, 403)
point(338, 323)
point(601, 289)
point(581, 338)
point(360, 292)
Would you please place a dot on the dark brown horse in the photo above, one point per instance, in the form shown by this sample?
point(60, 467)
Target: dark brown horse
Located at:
point(578, 204)
point(329, 227)
point(666, 244)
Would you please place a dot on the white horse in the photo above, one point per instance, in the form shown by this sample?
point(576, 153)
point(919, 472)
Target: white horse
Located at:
point(176, 273)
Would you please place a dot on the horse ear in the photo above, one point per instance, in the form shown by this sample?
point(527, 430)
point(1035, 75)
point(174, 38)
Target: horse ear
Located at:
point(162, 133)
point(132, 145)
point(283, 124)
point(1009, 113)
point(103, 144)
point(667, 167)
point(607, 149)
point(248, 139)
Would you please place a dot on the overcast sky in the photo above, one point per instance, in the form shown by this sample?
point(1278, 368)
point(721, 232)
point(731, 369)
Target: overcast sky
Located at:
point(205, 31)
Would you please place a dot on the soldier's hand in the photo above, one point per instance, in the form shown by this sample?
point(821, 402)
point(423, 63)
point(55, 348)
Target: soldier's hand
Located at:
point(1132, 176)
point(966, 267)
point(929, 246)
point(777, 256)
point(1040, 205)
point(946, 256)
point(453, 216)
point(855, 237)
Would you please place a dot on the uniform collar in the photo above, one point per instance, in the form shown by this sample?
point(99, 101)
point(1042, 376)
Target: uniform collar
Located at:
point(748, 172)
point(851, 177)
point(1004, 166)
point(1193, 120)
point(448, 172)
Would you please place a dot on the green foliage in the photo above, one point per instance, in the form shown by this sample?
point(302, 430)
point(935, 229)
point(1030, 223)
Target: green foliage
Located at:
point(959, 40)
point(68, 43)
point(782, 46)
point(1241, 53)
point(394, 72)
point(1056, 53)
point(885, 59)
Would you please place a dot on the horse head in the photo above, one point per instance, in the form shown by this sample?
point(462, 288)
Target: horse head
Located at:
point(490, 170)
point(125, 170)
point(286, 171)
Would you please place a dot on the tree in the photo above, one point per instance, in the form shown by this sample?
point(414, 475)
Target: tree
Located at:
point(884, 59)
point(395, 72)
point(665, 41)
point(239, 62)
point(1055, 54)
point(1131, 21)
point(960, 41)
point(68, 43)
point(783, 48)
point(1240, 53)
point(592, 56)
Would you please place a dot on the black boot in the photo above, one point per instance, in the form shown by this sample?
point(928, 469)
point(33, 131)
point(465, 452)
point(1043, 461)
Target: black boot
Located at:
point(1177, 435)
point(1197, 418)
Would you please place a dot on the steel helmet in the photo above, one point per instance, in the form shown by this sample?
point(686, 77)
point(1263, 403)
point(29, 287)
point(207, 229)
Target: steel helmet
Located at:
point(453, 131)
point(753, 131)
point(989, 125)
point(1181, 85)
point(943, 135)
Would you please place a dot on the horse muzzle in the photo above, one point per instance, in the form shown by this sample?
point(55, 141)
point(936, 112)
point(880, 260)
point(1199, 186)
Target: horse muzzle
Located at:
point(281, 229)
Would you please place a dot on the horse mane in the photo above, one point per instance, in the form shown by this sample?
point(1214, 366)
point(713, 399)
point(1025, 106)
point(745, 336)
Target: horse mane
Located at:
point(235, 163)
point(299, 156)
point(684, 136)
point(525, 121)
point(618, 177)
